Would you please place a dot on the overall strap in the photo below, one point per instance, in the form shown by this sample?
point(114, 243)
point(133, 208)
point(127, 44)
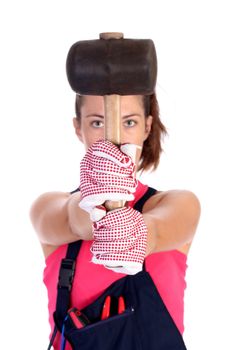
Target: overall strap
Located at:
point(139, 206)
point(140, 203)
point(65, 280)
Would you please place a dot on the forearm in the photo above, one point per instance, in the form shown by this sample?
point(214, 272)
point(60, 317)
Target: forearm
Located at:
point(57, 218)
point(171, 219)
point(78, 220)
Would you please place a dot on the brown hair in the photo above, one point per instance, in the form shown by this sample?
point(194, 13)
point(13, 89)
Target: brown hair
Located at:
point(152, 146)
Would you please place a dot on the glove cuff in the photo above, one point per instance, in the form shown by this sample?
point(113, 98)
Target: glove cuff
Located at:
point(128, 267)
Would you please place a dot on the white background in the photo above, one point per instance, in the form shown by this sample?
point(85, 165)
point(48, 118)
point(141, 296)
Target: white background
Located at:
point(39, 150)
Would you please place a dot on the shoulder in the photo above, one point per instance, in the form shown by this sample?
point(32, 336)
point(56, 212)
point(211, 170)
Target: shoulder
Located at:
point(44, 202)
point(45, 199)
point(45, 220)
point(180, 197)
point(180, 212)
point(184, 203)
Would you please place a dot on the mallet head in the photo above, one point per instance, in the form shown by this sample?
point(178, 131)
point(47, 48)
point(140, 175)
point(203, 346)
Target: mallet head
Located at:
point(113, 66)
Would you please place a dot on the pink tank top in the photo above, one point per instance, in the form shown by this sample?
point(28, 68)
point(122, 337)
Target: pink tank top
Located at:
point(167, 270)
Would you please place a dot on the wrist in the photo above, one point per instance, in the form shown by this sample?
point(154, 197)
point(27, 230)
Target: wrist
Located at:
point(151, 233)
point(78, 219)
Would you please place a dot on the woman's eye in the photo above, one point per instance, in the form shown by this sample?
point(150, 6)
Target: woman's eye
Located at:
point(130, 123)
point(97, 124)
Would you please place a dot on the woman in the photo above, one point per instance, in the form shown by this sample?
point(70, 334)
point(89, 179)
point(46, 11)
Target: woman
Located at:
point(168, 221)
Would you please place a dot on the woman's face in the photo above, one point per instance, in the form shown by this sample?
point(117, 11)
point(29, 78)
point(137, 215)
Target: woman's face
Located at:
point(135, 128)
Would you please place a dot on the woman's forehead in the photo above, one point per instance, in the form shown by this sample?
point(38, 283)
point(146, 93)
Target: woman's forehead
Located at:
point(96, 103)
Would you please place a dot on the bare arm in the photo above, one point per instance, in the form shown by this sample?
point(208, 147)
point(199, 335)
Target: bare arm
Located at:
point(58, 219)
point(171, 218)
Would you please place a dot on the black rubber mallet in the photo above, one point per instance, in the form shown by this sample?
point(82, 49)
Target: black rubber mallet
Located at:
point(112, 66)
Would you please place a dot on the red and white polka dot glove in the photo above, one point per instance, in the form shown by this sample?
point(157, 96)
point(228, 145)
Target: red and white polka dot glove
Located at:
point(120, 241)
point(106, 173)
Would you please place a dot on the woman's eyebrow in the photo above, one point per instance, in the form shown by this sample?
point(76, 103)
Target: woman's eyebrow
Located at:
point(94, 115)
point(124, 117)
point(131, 115)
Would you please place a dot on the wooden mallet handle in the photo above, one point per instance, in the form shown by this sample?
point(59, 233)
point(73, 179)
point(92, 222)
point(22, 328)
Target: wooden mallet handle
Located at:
point(111, 35)
point(112, 119)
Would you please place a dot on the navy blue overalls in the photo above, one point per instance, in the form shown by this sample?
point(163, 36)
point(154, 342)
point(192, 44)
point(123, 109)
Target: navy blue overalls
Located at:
point(144, 325)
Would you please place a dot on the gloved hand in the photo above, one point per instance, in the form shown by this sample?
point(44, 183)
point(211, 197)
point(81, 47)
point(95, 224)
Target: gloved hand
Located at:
point(106, 173)
point(120, 240)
